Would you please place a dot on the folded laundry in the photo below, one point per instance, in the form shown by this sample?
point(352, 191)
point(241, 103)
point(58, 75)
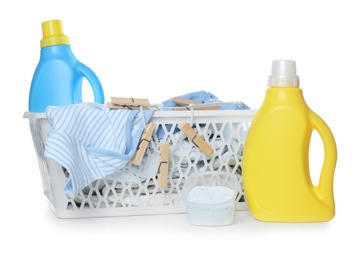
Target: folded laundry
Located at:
point(92, 141)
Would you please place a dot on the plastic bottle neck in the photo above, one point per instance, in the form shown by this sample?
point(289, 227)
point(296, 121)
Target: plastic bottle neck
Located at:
point(57, 51)
point(284, 96)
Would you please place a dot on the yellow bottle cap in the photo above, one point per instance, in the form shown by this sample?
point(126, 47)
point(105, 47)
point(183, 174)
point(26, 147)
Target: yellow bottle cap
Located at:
point(53, 34)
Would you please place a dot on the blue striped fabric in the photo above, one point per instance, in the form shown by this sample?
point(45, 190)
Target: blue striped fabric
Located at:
point(92, 141)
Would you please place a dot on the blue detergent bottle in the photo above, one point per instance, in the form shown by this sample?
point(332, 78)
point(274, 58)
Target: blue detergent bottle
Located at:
point(57, 80)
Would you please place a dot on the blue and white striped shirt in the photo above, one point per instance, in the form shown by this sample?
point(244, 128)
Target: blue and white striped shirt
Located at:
point(92, 141)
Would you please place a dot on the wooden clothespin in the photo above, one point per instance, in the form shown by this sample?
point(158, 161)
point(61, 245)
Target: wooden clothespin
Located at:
point(203, 107)
point(185, 101)
point(143, 144)
point(130, 103)
point(184, 104)
point(195, 138)
point(163, 166)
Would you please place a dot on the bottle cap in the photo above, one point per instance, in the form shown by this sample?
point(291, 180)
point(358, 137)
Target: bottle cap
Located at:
point(53, 34)
point(283, 74)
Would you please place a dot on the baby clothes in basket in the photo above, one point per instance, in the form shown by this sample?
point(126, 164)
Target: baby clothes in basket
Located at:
point(206, 98)
point(92, 141)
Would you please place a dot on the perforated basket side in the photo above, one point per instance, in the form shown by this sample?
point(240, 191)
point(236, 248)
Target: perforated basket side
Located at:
point(135, 190)
point(37, 133)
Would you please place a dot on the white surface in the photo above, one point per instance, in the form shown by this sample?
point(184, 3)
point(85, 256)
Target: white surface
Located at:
point(159, 49)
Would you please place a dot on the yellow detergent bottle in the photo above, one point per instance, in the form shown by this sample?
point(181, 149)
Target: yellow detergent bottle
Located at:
point(275, 164)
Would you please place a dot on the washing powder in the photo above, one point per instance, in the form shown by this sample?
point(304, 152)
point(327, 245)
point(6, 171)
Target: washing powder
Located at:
point(210, 205)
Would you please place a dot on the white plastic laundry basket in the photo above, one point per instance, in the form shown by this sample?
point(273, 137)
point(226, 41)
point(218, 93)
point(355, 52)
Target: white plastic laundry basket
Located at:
point(135, 191)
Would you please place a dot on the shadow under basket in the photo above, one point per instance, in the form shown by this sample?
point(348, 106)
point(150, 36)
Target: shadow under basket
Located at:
point(135, 190)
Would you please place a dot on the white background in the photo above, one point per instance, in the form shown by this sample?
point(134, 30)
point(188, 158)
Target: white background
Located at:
point(160, 49)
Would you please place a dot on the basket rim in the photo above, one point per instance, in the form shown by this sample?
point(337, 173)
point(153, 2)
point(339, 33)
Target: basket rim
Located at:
point(161, 114)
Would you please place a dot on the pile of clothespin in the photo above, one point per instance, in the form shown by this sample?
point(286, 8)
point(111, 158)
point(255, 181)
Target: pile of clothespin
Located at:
point(181, 105)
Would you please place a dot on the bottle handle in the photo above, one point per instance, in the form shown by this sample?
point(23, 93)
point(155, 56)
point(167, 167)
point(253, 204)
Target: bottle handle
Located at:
point(325, 186)
point(87, 73)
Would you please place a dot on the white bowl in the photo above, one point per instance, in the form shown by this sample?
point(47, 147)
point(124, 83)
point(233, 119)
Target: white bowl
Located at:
point(209, 198)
